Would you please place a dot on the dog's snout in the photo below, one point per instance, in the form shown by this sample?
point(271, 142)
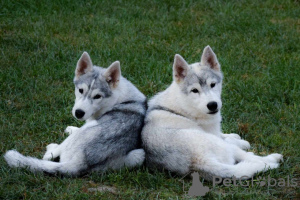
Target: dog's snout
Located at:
point(79, 113)
point(212, 106)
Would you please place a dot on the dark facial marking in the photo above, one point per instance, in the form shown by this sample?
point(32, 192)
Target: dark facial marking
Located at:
point(201, 78)
point(208, 74)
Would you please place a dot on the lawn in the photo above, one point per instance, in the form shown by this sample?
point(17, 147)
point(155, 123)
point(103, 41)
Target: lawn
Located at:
point(257, 43)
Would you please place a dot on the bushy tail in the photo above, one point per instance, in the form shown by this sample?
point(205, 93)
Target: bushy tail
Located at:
point(242, 170)
point(15, 159)
point(135, 158)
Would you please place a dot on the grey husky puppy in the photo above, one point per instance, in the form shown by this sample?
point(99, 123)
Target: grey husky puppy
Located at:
point(182, 131)
point(114, 111)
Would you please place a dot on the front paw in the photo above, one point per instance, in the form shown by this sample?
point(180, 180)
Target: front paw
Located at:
point(243, 144)
point(71, 129)
point(232, 135)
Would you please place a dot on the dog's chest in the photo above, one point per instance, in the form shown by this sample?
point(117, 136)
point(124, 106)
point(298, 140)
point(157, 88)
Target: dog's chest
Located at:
point(212, 128)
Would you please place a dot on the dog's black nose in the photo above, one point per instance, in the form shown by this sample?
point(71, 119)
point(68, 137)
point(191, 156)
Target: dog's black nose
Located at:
point(79, 114)
point(212, 106)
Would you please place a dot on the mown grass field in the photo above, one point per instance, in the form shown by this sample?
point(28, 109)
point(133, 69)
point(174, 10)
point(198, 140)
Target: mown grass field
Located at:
point(258, 46)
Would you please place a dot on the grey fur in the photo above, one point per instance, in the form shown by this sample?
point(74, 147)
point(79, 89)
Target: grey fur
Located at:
point(100, 83)
point(201, 78)
point(122, 127)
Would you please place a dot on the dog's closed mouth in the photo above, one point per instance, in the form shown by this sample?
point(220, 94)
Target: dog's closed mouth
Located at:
point(213, 112)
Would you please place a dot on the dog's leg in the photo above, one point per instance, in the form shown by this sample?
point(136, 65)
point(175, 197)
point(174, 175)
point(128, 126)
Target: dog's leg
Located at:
point(251, 157)
point(248, 166)
point(71, 129)
point(52, 152)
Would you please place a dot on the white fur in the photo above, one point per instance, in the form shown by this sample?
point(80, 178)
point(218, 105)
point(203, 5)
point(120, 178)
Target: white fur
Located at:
point(192, 140)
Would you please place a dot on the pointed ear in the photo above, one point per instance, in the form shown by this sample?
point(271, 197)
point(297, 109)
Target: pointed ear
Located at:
point(209, 59)
point(84, 65)
point(113, 74)
point(180, 68)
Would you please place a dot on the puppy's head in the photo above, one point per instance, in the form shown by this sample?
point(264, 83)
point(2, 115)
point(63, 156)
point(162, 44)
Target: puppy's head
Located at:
point(200, 83)
point(94, 87)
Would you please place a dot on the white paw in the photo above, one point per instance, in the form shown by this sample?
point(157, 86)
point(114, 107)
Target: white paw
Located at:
point(49, 153)
point(51, 146)
point(243, 144)
point(271, 165)
point(48, 156)
point(233, 135)
point(71, 129)
point(276, 157)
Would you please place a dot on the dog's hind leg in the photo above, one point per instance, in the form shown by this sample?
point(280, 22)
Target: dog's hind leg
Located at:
point(241, 155)
point(243, 170)
point(246, 167)
point(53, 151)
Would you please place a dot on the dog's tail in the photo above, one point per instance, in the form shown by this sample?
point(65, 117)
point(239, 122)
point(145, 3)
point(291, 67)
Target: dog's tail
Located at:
point(15, 159)
point(243, 170)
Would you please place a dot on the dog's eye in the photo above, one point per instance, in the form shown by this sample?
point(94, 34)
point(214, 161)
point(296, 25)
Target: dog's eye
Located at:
point(81, 91)
point(194, 90)
point(98, 96)
point(212, 85)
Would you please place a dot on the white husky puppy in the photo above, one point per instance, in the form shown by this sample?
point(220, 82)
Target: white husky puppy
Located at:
point(114, 111)
point(182, 131)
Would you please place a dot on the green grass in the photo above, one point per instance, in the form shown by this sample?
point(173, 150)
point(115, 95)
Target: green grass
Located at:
point(257, 43)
